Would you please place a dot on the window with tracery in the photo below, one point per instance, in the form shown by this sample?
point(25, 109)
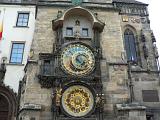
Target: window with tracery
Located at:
point(130, 45)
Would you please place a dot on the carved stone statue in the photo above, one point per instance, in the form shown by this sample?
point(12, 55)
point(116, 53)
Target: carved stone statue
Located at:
point(58, 96)
point(156, 52)
point(77, 35)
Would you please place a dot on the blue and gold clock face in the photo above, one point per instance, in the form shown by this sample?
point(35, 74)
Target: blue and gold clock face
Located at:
point(77, 59)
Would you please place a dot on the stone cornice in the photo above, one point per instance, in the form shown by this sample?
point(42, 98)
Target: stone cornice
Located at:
point(11, 3)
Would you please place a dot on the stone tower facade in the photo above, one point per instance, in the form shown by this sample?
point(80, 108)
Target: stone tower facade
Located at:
point(91, 60)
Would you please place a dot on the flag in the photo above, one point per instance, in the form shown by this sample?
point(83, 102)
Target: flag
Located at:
point(1, 25)
point(1, 29)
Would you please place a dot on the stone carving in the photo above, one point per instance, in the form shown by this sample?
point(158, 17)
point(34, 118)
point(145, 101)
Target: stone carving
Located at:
point(58, 96)
point(59, 14)
point(143, 38)
point(145, 50)
point(77, 34)
point(77, 23)
point(153, 37)
point(143, 20)
point(125, 18)
point(156, 52)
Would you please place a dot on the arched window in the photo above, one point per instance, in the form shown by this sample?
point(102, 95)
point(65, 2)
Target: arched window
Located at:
point(130, 45)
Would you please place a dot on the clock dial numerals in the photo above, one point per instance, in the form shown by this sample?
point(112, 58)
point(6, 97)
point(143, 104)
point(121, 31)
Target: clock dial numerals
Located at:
point(77, 59)
point(77, 101)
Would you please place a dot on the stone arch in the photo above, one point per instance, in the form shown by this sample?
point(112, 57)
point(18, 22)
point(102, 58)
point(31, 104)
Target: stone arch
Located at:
point(10, 102)
point(130, 27)
point(81, 11)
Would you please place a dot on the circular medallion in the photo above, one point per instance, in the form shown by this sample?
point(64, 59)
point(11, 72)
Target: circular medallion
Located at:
point(77, 101)
point(77, 59)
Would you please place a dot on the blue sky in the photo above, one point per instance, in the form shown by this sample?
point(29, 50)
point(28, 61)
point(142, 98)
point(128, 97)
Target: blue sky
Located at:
point(154, 15)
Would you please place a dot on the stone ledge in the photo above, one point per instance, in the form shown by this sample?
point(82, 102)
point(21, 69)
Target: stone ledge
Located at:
point(31, 106)
point(133, 106)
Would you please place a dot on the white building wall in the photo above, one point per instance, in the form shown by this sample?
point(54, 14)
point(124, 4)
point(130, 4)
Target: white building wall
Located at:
point(11, 33)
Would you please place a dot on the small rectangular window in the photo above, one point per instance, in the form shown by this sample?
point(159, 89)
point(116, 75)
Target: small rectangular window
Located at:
point(69, 31)
point(47, 67)
point(17, 53)
point(22, 20)
point(85, 32)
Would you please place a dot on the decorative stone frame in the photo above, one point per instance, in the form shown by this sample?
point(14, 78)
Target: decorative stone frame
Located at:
point(136, 41)
point(95, 22)
point(12, 101)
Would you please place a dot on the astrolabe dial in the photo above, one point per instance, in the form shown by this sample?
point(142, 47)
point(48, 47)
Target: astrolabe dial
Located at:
point(77, 101)
point(77, 59)
point(80, 61)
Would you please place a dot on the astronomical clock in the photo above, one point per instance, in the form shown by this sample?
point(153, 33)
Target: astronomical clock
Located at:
point(75, 75)
point(77, 88)
point(78, 98)
point(77, 60)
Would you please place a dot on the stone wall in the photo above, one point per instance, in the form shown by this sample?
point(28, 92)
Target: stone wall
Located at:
point(113, 64)
point(44, 36)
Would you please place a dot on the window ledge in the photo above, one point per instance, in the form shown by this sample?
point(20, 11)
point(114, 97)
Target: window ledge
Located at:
point(72, 37)
point(69, 37)
point(20, 26)
point(16, 64)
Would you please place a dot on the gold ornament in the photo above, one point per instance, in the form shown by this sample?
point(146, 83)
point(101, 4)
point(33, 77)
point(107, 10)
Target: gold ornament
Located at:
point(58, 96)
point(77, 101)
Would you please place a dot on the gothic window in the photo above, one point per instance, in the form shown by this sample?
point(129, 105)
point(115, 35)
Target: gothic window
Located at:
point(130, 45)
